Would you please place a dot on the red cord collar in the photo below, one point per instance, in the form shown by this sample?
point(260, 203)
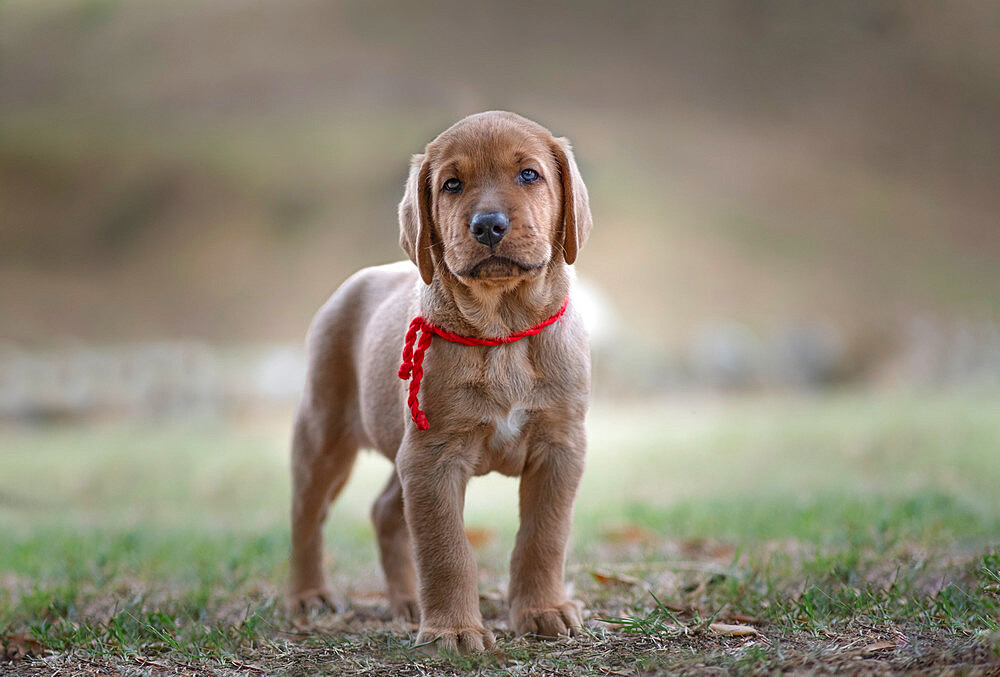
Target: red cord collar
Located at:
point(413, 358)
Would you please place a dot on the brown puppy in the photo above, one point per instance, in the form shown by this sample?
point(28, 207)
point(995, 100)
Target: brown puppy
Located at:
point(493, 214)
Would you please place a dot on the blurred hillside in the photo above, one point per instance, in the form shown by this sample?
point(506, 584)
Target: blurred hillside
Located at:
point(174, 170)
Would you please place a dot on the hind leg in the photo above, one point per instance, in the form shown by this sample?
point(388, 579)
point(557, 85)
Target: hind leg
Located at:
point(321, 465)
point(394, 551)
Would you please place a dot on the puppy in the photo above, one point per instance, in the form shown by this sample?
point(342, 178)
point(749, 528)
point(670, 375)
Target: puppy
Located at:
point(493, 214)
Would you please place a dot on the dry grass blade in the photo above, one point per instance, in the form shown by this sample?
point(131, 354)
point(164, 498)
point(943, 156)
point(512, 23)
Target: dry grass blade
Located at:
point(878, 646)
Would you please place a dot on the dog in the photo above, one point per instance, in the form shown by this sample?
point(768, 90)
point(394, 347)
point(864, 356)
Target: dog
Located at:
point(493, 214)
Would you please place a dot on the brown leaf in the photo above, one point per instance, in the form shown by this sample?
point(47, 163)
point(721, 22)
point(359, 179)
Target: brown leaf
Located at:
point(733, 630)
point(701, 547)
point(17, 647)
point(614, 580)
point(631, 534)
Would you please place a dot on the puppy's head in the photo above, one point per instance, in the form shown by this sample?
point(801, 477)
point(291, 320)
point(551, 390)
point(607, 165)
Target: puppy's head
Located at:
point(494, 198)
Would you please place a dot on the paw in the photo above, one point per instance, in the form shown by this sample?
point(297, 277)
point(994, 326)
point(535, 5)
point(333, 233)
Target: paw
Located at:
point(549, 622)
point(313, 601)
point(473, 639)
point(406, 610)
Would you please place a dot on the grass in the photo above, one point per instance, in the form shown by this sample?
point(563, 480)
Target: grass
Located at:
point(850, 532)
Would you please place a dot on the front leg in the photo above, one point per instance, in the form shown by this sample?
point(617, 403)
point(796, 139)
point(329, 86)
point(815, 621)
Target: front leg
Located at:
point(538, 602)
point(434, 477)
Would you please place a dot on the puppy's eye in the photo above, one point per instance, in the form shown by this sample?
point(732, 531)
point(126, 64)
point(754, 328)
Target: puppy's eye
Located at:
point(527, 176)
point(452, 186)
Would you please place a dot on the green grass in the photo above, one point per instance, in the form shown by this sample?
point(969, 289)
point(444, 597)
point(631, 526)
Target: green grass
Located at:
point(837, 597)
point(810, 519)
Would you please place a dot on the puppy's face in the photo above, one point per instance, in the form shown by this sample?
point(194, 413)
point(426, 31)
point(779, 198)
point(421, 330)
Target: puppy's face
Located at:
point(496, 199)
point(490, 198)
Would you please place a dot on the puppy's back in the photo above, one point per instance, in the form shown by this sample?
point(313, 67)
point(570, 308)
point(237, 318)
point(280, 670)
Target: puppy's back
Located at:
point(351, 358)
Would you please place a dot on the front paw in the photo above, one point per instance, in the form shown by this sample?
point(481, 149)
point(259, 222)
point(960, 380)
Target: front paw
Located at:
point(547, 621)
point(469, 639)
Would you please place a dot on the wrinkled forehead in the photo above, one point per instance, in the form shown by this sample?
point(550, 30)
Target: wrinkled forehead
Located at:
point(490, 146)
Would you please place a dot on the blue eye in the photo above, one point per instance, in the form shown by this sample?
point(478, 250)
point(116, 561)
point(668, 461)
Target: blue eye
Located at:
point(528, 176)
point(452, 186)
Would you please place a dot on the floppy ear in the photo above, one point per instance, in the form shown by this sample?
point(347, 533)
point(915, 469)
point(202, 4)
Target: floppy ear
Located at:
point(415, 218)
point(576, 219)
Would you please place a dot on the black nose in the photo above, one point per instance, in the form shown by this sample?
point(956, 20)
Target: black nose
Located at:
point(489, 227)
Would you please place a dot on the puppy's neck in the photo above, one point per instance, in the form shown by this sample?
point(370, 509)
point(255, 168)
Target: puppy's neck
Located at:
point(491, 309)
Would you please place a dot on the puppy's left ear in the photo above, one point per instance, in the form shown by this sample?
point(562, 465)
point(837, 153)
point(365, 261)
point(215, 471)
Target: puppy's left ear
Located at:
point(415, 220)
point(576, 219)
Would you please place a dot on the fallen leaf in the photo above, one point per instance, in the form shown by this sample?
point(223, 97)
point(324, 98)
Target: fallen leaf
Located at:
point(614, 580)
point(708, 548)
point(629, 534)
point(733, 630)
point(17, 647)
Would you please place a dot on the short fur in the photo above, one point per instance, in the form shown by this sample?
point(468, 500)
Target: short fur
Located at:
point(517, 408)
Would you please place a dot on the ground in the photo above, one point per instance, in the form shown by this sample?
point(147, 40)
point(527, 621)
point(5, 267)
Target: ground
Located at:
point(849, 532)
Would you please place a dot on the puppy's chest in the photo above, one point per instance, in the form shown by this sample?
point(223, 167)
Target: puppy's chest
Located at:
point(495, 393)
point(499, 379)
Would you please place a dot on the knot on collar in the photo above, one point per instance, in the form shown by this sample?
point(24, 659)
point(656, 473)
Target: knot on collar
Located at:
point(414, 349)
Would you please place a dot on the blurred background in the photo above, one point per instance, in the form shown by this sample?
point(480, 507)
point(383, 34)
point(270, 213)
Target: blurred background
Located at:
point(786, 195)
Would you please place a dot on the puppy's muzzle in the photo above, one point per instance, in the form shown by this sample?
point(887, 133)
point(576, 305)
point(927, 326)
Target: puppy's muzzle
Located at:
point(488, 228)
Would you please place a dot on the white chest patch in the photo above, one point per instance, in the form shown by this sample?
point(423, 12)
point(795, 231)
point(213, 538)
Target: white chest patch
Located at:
point(507, 429)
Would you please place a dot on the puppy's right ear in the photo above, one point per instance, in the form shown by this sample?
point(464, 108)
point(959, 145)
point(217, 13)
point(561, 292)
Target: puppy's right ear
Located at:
point(415, 221)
